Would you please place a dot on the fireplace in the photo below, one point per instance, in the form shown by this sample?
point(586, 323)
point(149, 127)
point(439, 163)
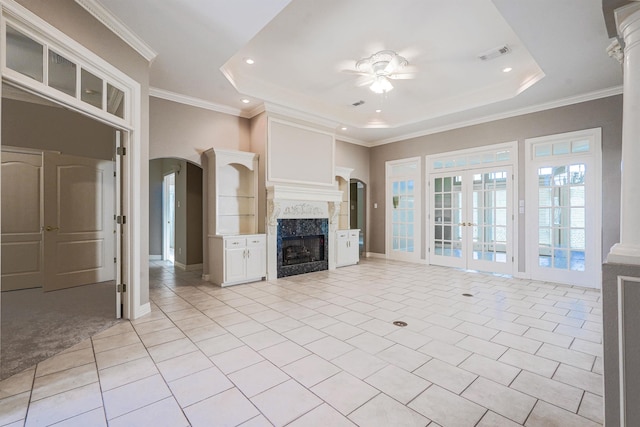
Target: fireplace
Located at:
point(302, 245)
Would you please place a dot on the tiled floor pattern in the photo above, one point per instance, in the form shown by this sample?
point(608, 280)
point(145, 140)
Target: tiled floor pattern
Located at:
point(321, 350)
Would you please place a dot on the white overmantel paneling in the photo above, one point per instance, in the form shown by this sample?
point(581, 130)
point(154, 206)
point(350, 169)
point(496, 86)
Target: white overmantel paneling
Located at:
point(303, 193)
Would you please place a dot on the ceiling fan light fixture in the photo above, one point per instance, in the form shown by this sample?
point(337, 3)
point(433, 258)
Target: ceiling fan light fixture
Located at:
point(381, 85)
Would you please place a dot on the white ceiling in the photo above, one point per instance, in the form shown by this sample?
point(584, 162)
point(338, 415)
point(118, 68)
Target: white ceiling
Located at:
point(303, 47)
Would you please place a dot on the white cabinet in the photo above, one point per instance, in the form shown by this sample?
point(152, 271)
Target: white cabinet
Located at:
point(237, 259)
point(347, 247)
point(236, 253)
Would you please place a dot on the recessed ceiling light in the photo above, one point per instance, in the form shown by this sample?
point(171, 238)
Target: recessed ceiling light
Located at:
point(249, 61)
point(378, 111)
point(343, 128)
point(245, 100)
point(506, 70)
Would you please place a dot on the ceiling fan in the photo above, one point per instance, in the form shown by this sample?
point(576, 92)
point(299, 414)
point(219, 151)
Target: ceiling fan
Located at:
point(380, 68)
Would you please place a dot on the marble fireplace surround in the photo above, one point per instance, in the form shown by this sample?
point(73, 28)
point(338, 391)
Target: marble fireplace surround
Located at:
point(300, 202)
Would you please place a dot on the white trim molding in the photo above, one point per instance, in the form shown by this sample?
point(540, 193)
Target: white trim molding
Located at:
point(98, 11)
point(196, 102)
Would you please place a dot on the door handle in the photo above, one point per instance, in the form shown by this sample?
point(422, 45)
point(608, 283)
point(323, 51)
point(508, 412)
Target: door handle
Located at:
point(50, 228)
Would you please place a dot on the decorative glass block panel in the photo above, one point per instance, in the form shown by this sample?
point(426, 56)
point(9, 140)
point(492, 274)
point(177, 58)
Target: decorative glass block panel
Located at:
point(24, 55)
point(91, 89)
point(62, 74)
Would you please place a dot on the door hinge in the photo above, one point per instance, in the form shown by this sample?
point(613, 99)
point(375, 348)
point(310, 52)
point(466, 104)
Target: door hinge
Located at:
point(121, 219)
point(121, 151)
point(513, 259)
point(115, 260)
point(122, 287)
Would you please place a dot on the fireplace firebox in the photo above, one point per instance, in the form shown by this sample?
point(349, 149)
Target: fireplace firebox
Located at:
point(302, 246)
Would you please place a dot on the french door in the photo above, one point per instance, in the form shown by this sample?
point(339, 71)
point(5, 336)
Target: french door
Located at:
point(563, 216)
point(403, 209)
point(471, 219)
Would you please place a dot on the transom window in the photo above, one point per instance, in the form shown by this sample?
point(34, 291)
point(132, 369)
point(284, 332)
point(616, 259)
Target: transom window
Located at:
point(38, 61)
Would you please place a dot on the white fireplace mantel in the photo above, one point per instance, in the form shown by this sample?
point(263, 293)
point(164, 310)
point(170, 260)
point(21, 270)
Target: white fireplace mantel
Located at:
point(288, 201)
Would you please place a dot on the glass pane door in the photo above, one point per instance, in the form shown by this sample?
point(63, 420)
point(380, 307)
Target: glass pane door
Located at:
point(491, 221)
point(447, 225)
point(402, 216)
point(471, 219)
point(403, 209)
point(563, 236)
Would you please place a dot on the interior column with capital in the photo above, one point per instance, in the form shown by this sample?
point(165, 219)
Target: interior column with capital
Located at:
point(628, 250)
point(621, 271)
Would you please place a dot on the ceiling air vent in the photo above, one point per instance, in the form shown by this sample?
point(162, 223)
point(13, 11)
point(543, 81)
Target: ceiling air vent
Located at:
point(357, 104)
point(494, 53)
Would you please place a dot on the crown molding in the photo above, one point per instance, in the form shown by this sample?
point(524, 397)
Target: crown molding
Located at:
point(353, 141)
point(590, 96)
point(95, 8)
point(300, 115)
point(196, 102)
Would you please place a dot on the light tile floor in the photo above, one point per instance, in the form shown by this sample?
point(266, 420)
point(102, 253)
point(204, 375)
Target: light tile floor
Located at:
point(321, 350)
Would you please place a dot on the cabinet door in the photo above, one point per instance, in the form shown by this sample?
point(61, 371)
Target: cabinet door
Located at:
point(256, 262)
point(234, 264)
point(342, 250)
point(353, 247)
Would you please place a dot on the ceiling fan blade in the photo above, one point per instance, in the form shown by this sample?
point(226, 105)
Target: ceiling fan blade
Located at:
point(359, 73)
point(365, 81)
point(402, 76)
point(392, 65)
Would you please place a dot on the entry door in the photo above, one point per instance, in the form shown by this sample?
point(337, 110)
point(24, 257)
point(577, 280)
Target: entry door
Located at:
point(79, 231)
point(22, 264)
point(471, 216)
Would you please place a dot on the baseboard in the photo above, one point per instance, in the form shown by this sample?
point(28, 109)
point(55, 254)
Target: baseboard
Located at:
point(140, 311)
point(206, 277)
point(376, 255)
point(190, 267)
point(155, 257)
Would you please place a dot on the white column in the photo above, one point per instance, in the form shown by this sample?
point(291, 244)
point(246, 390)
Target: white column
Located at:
point(628, 250)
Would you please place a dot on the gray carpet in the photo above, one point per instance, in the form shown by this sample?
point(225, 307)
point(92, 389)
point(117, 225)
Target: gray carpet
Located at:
point(37, 325)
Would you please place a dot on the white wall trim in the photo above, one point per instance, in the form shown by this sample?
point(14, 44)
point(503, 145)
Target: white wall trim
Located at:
point(196, 102)
point(155, 257)
point(143, 310)
point(622, 282)
point(590, 96)
point(98, 11)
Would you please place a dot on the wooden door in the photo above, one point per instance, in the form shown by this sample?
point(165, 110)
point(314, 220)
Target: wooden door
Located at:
point(79, 226)
point(22, 264)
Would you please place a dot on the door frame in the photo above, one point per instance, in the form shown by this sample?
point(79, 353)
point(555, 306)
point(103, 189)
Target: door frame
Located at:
point(134, 172)
point(500, 154)
point(531, 162)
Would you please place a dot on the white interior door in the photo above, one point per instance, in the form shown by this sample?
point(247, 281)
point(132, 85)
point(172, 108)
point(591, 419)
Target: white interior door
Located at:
point(471, 215)
point(22, 265)
point(79, 230)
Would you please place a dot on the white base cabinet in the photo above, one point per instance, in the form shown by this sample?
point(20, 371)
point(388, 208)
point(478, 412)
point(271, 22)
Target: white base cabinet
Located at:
point(237, 259)
point(347, 247)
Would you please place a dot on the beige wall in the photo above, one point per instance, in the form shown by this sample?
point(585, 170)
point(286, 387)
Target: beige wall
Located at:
point(179, 130)
point(49, 128)
point(71, 19)
point(605, 113)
